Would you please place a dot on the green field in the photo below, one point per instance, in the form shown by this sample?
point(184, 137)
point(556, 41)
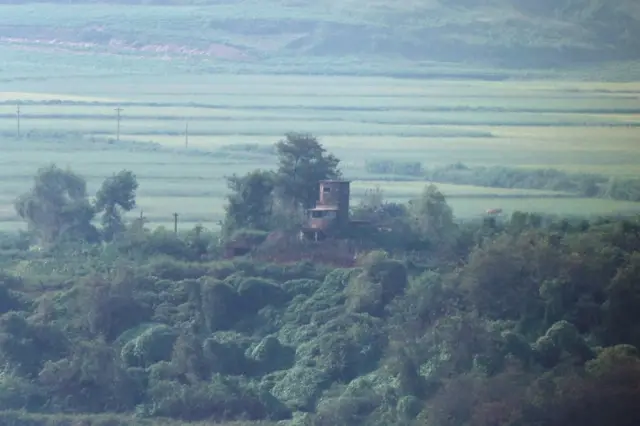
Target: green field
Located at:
point(572, 126)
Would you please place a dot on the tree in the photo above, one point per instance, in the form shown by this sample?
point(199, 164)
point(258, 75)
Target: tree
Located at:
point(89, 379)
point(371, 202)
point(302, 162)
point(250, 203)
point(433, 218)
point(57, 206)
point(373, 208)
point(622, 312)
point(117, 193)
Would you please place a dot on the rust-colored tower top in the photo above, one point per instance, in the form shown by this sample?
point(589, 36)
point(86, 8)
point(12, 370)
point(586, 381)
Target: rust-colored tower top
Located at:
point(332, 208)
point(334, 193)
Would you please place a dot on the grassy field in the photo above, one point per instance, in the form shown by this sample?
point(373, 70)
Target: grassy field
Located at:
point(573, 126)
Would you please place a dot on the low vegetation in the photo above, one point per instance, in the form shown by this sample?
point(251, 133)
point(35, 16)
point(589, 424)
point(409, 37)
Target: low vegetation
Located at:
point(580, 184)
point(523, 321)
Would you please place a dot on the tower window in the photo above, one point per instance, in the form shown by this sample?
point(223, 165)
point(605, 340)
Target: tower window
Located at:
point(323, 214)
point(326, 189)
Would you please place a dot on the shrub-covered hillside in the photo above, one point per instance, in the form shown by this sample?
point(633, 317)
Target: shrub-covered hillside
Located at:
point(522, 321)
point(518, 33)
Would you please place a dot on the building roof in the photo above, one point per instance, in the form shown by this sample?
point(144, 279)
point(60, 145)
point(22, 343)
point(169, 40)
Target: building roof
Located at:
point(335, 181)
point(324, 208)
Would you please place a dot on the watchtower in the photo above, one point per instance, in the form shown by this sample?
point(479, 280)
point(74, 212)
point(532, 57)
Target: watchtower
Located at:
point(331, 213)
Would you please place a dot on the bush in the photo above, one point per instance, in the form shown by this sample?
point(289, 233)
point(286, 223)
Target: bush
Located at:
point(256, 293)
point(219, 305)
point(582, 184)
point(390, 167)
point(380, 281)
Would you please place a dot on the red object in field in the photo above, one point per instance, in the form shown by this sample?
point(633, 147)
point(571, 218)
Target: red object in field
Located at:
point(494, 211)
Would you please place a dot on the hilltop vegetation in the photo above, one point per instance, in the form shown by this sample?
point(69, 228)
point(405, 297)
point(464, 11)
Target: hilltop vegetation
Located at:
point(525, 321)
point(418, 318)
point(283, 34)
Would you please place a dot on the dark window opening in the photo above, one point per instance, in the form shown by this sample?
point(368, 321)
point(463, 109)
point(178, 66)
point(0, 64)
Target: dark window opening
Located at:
point(319, 214)
point(240, 251)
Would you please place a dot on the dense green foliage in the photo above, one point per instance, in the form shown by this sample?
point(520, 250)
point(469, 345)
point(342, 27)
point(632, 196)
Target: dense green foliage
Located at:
point(263, 200)
point(528, 321)
point(57, 206)
point(581, 184)
point(390, 167)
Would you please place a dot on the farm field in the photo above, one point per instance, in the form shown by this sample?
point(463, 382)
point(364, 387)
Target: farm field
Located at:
point(572, 126)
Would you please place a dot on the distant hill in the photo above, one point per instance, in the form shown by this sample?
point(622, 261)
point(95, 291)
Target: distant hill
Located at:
point(507, 33)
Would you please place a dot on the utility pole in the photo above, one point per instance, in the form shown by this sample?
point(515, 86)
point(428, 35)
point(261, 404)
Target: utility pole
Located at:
point(118, 111)
point(175, 223)
point(18, 119)
point(141, 220)
point(186, 135)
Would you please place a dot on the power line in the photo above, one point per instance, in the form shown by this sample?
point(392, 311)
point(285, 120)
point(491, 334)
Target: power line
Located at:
point(18, 119)
point(118, 110)
point(175, 223)
point(186, 135)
